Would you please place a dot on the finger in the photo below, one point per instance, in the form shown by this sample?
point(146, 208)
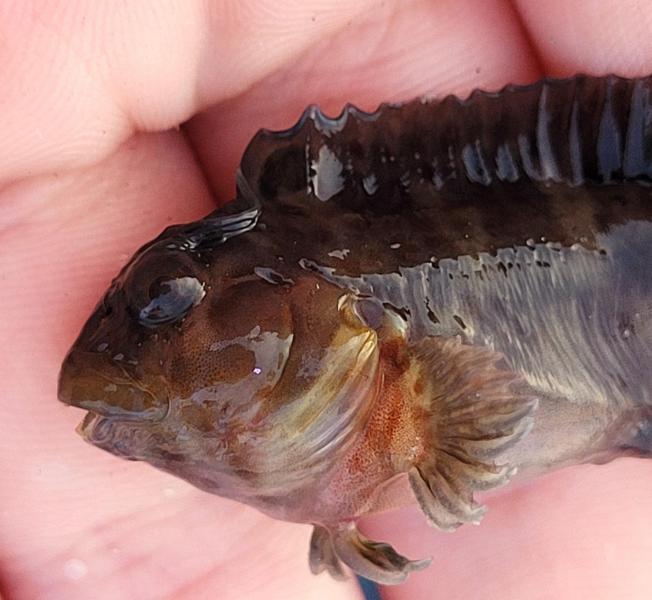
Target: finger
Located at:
point(579, 533)
point(591, 36)
point(80, 78)
point(551, 540)
point(77, 523)
point(69, 234)
point(99, 254)
point(396, 52)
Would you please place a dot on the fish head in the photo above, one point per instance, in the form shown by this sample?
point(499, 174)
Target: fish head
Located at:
point(196, 363)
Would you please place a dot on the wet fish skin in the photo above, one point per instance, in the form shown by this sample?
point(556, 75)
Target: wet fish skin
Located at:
point(422, 302)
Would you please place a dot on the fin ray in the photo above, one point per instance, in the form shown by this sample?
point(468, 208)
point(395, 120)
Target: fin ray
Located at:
point(322, 555)
point(376, 561)
point(476, 409)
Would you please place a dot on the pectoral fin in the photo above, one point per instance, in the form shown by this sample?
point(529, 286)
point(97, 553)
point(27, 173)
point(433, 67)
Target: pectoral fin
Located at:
point(376, 561)
point(475, 410)
point(322, 554)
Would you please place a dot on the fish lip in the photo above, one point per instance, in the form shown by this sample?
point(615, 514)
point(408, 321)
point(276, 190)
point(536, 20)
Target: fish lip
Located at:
point(102, 432)
point(88, 427)
point(66, 396)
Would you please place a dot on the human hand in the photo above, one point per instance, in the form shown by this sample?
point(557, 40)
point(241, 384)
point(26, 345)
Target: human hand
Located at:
point(93, 167)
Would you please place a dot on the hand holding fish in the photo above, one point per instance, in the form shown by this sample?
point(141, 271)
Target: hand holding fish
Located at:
point(93, 171)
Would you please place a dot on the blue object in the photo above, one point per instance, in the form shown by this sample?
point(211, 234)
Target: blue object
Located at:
point(369, 588)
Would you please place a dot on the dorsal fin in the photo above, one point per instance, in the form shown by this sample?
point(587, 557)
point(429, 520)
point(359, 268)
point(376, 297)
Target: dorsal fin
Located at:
point(582, 129)
point(453, 177)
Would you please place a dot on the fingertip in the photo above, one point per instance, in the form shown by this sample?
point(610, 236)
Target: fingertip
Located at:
point(396, 52)
point(596, 37)
point(577, 533)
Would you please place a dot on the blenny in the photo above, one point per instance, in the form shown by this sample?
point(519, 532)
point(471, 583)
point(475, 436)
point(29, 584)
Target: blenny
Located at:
point(418, 303)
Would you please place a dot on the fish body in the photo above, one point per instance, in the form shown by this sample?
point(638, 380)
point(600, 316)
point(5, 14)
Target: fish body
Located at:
point(422, 302)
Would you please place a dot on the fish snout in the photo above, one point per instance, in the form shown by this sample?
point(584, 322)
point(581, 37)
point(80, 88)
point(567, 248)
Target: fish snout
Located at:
point(106, 386)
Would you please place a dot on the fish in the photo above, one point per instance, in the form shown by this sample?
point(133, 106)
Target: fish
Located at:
point(411, 305)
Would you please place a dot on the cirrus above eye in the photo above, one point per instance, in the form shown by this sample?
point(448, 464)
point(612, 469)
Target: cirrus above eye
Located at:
point(173, 299)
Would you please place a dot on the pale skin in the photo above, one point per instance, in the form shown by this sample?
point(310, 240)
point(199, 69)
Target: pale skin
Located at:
point(92, 167)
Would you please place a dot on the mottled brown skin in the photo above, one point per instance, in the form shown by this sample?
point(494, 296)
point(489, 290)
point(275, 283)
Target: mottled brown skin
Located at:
point(378, 315)
point(459, 215)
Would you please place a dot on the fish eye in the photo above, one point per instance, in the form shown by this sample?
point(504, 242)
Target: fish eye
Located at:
point(170, 298)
